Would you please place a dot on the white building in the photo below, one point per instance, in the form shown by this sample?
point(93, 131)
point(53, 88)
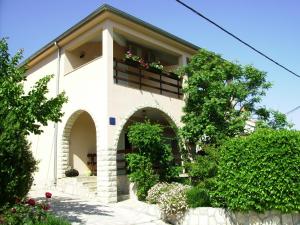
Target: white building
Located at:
point(105, 95)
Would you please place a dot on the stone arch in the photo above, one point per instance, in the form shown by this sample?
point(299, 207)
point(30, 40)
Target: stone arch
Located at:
point(65, 145)
point(154, 112)
point(164, 112)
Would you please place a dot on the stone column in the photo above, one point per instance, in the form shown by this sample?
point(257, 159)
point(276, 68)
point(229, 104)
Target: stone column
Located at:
point(182, 62)
point(106, 155)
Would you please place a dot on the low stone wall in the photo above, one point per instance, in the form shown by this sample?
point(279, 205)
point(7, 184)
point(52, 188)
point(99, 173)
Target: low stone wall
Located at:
point(73, 186)
point(218, 216)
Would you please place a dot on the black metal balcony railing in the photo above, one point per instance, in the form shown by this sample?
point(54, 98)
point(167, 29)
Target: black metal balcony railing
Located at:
point(163, 83)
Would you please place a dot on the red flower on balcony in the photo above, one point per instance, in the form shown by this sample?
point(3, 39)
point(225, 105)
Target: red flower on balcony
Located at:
point(48, 195)
point(143, 64)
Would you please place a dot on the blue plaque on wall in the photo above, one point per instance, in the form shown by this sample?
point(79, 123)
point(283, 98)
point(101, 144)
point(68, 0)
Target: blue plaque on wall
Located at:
point(112, 121)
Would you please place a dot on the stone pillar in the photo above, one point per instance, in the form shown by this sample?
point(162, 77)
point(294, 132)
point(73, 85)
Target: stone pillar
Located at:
point(106, 155)
point(106, 176)
point(182, 60)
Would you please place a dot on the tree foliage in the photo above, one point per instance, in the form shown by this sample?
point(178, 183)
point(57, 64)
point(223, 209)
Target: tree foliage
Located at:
point(272, 119)
point(220, 97)
point(20, 114)
point(260, 172)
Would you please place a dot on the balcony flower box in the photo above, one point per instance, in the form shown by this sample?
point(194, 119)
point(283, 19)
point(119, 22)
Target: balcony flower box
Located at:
point(154, 70)
point(155, 67)
point(132, 60)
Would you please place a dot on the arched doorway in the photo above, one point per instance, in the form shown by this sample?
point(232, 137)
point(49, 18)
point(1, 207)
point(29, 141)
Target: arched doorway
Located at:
point(154, 116)
point(80, 143)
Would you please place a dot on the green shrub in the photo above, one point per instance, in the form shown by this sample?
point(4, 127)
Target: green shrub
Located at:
point(260, 172)
point(148, 140)
point(204, 166)
point(17, 165)
point(202, 174)
point(53, 220)
point(48, 219)
point(30, 212)
point(141, 173)
point(199, 196)
point(152, 161)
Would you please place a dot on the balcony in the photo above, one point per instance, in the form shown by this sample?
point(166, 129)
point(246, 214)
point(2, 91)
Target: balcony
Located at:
point(165, 83)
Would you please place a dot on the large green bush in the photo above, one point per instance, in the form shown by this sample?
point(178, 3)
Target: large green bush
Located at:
point(260, 172)
point(16, 168)
point(152, 160)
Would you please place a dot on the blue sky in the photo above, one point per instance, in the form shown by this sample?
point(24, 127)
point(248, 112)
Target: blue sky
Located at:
point(271, 26)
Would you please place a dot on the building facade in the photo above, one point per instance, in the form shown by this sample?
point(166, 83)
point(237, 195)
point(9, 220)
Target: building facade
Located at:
point(105, 95)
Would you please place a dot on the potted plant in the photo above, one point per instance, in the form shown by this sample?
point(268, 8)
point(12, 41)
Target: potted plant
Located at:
point(155, 67)
point(132, 60)
point(71, 172)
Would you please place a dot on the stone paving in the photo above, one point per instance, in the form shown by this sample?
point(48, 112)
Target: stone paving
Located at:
point(91, 212)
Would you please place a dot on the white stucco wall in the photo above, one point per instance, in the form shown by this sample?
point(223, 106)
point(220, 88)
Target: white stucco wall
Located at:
point(42, 145)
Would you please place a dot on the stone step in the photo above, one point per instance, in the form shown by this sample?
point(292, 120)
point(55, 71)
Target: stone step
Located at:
point(88, 183)
point(123, 197)
point(85, 186)
point(86, 178)
point(90, 186)
point(121, 172)
point(93, 189)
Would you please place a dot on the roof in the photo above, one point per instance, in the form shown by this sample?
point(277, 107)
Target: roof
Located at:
point(120, 13)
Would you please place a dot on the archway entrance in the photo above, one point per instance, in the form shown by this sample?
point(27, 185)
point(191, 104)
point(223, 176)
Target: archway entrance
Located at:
point(124, 147)
point(82, 145)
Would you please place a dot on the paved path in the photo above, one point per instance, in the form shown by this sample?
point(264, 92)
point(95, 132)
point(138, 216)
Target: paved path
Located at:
point(83, 211)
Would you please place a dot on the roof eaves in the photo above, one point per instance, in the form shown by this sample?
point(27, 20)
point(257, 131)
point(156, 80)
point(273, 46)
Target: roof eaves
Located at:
point(98, 11)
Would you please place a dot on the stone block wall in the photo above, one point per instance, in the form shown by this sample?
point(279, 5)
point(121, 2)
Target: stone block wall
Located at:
point(218, 216)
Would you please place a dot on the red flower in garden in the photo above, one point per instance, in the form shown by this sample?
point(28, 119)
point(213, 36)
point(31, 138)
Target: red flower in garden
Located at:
point(48, 195)
point(31, 202)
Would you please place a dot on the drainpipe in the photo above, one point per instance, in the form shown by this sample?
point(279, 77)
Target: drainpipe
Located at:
point(56, 124)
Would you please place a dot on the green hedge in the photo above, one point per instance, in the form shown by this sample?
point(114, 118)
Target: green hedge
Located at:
point(260, 172)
